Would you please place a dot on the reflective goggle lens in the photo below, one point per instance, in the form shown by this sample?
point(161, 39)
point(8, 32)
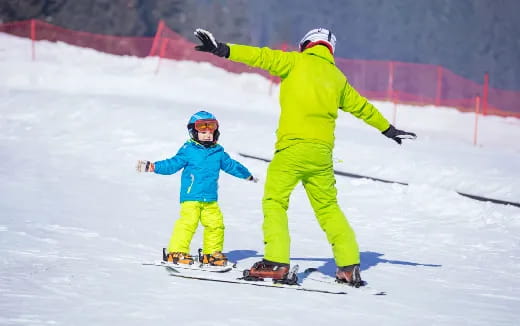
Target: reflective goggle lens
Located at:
point(206, 125)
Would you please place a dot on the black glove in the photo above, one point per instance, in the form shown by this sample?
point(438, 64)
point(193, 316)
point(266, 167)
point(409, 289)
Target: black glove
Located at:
point(210, 45)
point(398, 135)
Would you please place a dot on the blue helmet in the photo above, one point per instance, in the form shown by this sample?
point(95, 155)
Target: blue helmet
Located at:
point(201, 115)
point(208, 120)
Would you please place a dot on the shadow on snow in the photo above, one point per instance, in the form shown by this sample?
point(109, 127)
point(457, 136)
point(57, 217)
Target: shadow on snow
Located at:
point(369, 259)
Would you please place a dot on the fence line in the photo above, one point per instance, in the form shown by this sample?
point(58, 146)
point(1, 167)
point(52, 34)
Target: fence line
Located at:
point(398, 82)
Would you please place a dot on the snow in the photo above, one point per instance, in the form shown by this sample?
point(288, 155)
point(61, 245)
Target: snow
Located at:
point(77, 220)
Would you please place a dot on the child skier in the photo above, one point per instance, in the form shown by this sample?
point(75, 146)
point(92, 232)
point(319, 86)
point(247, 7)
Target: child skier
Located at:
point(201, 159)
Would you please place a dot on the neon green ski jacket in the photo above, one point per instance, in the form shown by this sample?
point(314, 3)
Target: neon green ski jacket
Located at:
point(311, 92)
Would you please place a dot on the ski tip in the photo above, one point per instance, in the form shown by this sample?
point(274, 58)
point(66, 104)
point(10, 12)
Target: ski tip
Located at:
point(171, 269)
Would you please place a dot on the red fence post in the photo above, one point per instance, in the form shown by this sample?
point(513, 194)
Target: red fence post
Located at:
point(33, 38)
point(390, 91)
point(395, 99)
point(158, 34)
point(162, 51)
point(438, 93)
point(475, 130)
point(485, 93)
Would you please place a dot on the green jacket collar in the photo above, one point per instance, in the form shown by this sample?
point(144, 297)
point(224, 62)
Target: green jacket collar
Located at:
point(320, 51)
point(199, 144)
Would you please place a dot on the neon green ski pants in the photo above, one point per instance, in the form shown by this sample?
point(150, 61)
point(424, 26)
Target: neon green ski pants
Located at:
point(310, 163)
point(211, 219)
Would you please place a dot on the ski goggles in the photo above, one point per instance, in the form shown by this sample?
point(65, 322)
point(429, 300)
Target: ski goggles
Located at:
point(206, 125)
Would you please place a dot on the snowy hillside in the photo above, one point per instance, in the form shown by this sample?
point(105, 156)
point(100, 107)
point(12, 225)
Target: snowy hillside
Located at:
point(77, 221)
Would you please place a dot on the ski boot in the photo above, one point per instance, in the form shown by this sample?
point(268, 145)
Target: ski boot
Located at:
point(215, 259)
point(177, 257)
point(278, 272)
point(350, 275)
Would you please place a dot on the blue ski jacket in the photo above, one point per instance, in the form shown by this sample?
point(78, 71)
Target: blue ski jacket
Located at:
point(202, 165)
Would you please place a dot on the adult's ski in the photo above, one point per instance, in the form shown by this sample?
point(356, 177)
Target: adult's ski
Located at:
point(178, 273)
point(329, 280)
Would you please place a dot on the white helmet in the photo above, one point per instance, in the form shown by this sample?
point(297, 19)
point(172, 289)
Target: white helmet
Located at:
point(319, 36)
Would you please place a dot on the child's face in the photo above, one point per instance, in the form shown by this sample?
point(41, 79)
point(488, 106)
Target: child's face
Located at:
point(205, 135)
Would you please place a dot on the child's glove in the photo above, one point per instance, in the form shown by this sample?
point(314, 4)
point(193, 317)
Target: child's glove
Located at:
point(209, 44)
point(398, 135)
point(253, 179)
point(145, 166)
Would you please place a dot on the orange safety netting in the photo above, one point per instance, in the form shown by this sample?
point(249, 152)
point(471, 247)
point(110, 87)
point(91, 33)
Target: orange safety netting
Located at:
point(400, 82)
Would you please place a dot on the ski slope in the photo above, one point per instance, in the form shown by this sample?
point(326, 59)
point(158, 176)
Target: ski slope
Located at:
point(77, 221)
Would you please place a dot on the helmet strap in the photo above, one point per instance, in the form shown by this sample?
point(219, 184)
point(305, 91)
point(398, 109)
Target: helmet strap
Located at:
point(309, 44)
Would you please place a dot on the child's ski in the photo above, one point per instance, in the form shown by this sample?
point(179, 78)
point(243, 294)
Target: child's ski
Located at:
point(194, 266)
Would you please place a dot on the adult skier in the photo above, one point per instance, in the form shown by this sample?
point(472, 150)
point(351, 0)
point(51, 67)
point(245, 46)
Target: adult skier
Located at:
point(311, 91)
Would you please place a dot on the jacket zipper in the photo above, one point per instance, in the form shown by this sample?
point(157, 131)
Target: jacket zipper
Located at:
point(191, 185)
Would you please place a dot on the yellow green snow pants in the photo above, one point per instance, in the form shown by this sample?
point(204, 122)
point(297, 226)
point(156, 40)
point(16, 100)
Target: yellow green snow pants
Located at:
point(310, 163)
point(211, 219)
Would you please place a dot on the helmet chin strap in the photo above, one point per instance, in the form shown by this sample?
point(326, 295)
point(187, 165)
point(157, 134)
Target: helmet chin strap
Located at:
point(311, 44)
point(207, 143)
